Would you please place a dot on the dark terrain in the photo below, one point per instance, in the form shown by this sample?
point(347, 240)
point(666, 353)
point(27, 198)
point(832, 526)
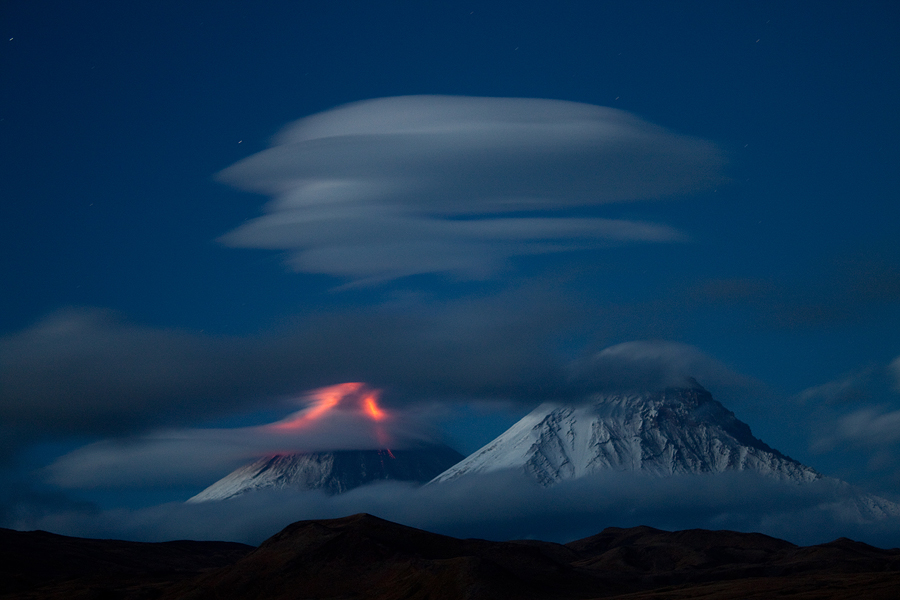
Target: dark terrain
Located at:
point(37, 564)
point(362, 556)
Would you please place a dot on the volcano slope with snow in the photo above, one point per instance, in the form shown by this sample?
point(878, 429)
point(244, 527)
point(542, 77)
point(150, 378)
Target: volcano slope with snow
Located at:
point(332, 472)
point(677, 431)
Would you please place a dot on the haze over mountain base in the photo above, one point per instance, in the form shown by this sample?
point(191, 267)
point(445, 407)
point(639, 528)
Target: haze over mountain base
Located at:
point(638, 440)
point(676, 431)
point(673, 460)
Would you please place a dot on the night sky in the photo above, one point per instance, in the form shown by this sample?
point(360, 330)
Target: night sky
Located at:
point(209, 209)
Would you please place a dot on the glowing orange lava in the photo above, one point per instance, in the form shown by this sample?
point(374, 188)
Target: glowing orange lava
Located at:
point(349, 395)
point(371, 406)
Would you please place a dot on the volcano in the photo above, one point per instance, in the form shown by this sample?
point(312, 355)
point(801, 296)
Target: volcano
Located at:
point(676, 431)
point(335, 471)
point(332, 472)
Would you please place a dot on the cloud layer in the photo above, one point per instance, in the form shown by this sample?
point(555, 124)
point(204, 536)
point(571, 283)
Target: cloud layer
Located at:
point(652, 365)
point(386, 188)
point(501, 506)
point(177, 458)
point(86, 372)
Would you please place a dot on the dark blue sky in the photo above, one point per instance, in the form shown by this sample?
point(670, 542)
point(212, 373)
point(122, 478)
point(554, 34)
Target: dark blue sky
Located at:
point(124, 313)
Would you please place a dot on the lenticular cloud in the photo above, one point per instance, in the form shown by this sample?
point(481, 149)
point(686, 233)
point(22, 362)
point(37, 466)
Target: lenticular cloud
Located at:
point(386, 188)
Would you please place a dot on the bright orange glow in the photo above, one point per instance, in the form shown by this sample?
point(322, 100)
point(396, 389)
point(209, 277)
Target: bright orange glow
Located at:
point(345, 396)
point(371, 406)
point(323, 400)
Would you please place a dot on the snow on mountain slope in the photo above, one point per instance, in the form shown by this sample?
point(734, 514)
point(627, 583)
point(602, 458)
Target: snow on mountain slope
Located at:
point(332, 472)
point(670, 432)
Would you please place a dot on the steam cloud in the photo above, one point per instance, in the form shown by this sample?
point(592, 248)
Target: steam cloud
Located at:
point(192, 457)
point(386, 188)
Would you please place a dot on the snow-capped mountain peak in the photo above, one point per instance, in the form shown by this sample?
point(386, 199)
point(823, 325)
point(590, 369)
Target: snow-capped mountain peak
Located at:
point(675, 431)
point(332, 472)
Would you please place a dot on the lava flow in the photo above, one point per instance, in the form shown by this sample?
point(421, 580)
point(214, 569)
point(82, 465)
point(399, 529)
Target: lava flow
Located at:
point(371, 407)
point(350, 397)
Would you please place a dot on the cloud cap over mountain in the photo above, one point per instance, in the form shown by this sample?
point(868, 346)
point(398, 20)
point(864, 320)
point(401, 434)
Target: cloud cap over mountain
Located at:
point(385, 188)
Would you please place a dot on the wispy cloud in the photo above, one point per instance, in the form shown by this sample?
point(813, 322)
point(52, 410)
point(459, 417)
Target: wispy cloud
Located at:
point(871, 426)
point(852, 388)
point(894, 369)
point(335, 418)
point(656, 364)
point(858, 415)
point(386, 188)
point(506, 506)
point(88, 372)
point(197, 457)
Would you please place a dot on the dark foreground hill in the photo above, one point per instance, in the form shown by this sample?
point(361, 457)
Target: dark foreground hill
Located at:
point(37, 564)
point(364, 557)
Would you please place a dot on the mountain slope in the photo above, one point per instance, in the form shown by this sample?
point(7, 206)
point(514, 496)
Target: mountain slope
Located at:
point(38, 564)
point(332, 472)
point(676, 431)
point(365, 557)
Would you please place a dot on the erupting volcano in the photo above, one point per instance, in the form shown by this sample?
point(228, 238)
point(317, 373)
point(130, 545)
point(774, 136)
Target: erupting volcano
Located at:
point(338, 470)
point(351, 396)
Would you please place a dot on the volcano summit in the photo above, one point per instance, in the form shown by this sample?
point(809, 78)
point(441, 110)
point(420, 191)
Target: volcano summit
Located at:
point(675, 431)
point(335, 471)
point(332, 472)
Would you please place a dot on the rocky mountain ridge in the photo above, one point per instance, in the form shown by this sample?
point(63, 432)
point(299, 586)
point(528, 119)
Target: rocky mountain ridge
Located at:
point(332, 472)
point(364, 557)
point(674, 431)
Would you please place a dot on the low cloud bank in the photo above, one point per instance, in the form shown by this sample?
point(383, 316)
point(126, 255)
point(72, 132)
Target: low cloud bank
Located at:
point(858, 416)
point(87, 372)
point(386, 188)
point(198, 457)
point(506, 506)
